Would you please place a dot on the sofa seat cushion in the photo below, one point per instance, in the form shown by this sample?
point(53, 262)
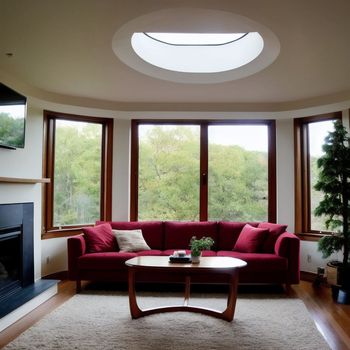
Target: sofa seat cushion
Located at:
point(204, 252)
point(208, 253)
point(152, 252)
point(258, 261)
point(178, 234)
point(104, 261)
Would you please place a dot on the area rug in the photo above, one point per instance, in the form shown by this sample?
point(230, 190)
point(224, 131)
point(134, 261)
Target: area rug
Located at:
point(101, 320)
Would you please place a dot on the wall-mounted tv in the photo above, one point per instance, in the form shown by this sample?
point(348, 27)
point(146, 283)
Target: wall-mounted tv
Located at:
point(13, 108)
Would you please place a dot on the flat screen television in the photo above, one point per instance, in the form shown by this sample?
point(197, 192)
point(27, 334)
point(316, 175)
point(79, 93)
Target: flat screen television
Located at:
point(13, 109)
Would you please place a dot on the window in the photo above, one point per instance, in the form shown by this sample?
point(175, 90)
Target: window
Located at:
point(238, 172)
point(310, 133)
point(78, 153)
point(168, 172)
point(203, 170)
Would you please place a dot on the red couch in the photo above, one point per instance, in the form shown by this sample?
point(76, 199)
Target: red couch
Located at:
point(276, 262)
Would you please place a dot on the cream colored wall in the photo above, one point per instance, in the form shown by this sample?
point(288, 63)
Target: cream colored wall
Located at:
point(285, 172)
point(121, 168)
point(53, 255)
point(26, 163)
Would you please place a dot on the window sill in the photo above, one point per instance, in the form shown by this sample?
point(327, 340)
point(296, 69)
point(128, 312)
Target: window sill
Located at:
point(311, 236)
point(63, 232)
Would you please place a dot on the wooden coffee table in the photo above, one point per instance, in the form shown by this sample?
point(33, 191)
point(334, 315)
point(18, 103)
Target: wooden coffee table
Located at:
point(207, 265)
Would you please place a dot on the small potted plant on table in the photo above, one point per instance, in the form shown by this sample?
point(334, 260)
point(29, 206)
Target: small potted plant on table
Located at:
point(334, 182)
point(197, 245)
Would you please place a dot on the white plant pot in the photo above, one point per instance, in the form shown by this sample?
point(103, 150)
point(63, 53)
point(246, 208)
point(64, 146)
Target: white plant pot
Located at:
point(195, 259)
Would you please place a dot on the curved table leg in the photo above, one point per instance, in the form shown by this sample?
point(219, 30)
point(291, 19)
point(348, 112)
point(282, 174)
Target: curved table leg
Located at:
point(232, 297)
point(226, 315)
point(187, 290)
point(135, 311)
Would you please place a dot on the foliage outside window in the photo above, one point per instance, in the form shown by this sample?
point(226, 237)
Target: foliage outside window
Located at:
point(168, 172)
point(317, 134)
point(238, 172)
point(12, 125)
point(310, 133)
point(77, 170)
point(76, 165)
point(202, 171)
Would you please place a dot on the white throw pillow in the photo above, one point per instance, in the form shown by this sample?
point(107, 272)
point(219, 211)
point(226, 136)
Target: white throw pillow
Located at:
point(130, 240)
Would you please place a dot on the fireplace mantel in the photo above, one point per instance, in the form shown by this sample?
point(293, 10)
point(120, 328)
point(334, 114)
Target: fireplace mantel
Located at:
point(23, 180)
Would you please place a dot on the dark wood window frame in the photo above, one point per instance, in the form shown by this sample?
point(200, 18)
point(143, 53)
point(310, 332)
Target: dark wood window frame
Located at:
point(302, 175)
point(48, 230)
point(203, 192)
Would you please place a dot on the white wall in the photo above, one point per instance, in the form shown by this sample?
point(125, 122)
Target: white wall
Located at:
point(53, 255)
point(311, 258)
point(26, 163)
point(121, 170)
point(285, 172)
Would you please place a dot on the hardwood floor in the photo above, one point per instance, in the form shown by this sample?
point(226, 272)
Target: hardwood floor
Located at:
point(332, 320)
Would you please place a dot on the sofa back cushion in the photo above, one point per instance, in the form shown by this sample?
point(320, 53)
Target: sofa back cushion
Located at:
point(152, 231)
point(100, 238)
point(275, 230)
point(250, 240)
point(178, 234)
point(229, 232)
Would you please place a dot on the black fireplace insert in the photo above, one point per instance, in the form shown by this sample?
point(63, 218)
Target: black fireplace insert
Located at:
point(16, 247)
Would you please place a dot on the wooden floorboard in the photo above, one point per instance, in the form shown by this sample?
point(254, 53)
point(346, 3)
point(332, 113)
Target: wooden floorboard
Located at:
point(332, 319)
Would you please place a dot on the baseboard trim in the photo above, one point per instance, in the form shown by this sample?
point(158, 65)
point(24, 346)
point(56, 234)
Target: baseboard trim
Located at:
point(61, 275)
point(307, 276)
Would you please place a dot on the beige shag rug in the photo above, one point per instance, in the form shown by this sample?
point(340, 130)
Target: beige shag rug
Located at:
point(101, 320)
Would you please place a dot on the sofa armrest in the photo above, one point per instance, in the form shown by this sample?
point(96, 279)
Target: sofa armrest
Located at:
point(288, 246)
point(76, 247)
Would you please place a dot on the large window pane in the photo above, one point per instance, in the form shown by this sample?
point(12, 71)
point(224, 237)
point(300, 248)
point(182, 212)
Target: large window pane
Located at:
point(238, 172)
point(317, 133)
point(77, 169)
point(168, 172)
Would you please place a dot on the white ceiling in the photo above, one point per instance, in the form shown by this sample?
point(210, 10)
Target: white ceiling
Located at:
point(62, 51)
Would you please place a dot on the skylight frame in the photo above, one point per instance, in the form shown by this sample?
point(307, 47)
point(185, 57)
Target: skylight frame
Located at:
point(151, 36)
point(198, 59)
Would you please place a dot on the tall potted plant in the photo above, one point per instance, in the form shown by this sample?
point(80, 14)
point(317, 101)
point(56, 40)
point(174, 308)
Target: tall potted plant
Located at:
point(334, 182)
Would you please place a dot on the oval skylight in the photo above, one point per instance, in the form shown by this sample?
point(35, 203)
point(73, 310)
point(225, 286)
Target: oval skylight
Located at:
point(198, 52)
point(189, 45)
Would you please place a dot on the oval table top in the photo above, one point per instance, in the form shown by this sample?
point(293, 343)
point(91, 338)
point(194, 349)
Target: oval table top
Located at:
point(212, 262)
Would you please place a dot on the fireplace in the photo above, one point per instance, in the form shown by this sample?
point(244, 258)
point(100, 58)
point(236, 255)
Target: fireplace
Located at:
point(16, 248)
point(19, 293)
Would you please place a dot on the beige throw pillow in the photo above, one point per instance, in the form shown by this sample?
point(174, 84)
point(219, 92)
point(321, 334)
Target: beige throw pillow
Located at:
point(130, 240)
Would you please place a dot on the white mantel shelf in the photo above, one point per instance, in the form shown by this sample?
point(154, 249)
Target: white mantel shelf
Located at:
point(17, 180)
